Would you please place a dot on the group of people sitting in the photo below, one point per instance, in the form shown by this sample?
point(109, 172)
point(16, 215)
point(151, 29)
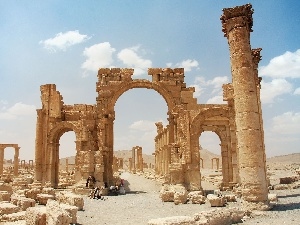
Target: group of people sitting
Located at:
point(97, 193)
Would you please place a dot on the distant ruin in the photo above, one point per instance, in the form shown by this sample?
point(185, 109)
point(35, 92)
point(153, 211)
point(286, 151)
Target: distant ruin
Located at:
point(238, 123)
point(16, 157)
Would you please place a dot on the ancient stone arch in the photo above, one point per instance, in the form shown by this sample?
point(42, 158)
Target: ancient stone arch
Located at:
point(238, 123)
point(16, 157)
point(218, 119)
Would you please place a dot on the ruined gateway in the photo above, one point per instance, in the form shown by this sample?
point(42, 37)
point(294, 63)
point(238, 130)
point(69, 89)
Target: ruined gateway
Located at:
point(237, 123)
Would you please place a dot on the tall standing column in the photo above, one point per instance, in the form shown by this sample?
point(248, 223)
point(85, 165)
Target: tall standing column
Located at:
point(237, 23)
point(1, 159)
point(16, 161)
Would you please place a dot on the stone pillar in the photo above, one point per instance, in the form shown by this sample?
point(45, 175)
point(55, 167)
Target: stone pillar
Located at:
point(30, 163)
point(1, 159)
point(133, 160)
point(39, 147)
point(237, 25)
point(16, 161)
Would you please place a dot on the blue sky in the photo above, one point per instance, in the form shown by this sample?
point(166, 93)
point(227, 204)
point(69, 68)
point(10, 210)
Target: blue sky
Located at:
point(65, 42)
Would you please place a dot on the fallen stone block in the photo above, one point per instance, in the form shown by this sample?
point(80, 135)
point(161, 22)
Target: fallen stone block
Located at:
point(22, 202)
point(216, 201)
point(273, 198)
point(219, 217)
point(8, 208)
point(196, 197)
point(72, 210)
point(43, 198)
point(230, 198)
point(32, 193)
point(56, 215)
point(35, 215)
point(5, 187)
point(4, 196)
point(174, 220)
point(48, 190)
point(13, 217)
point(71, 199)
point(281, 187)
point(167, 196)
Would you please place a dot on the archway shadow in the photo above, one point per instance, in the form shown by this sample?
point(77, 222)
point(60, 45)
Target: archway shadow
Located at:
point(128, 190)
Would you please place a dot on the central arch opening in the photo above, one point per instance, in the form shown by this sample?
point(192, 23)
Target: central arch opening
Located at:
point(136, 112)
point(211, 160)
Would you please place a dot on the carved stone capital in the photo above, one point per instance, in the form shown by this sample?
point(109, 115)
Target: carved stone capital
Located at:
point(240, 16)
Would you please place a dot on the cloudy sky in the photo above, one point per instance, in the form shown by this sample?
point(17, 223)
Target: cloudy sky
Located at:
point(65, 42)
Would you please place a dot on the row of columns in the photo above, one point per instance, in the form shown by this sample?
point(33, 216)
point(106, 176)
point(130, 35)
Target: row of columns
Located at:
point(136, 161)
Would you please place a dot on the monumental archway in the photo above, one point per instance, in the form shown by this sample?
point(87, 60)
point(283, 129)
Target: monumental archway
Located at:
point(238, 123)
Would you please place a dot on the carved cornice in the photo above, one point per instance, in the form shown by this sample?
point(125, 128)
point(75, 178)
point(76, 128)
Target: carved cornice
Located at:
point(256, 55)
point(239, 16)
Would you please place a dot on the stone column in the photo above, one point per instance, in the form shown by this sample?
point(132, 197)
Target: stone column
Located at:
point(1, 159)
point(16, 161)
point(38, 173)
point(237, 23)
point(133, 160)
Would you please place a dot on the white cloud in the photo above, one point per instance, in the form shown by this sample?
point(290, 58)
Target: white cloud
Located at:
point(273, 89)
point(98, 56)
point(297, 91)
point(217, 83)
point(198, 90)
point(62, 41)
point(130, 57)
point(214, 85)
point(216, 100)
point(283, 66)
point(19, 109)
point(287, 123)
point(143, 125)
point(188, 64)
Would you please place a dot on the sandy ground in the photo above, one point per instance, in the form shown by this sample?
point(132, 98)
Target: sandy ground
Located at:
point(142, 203)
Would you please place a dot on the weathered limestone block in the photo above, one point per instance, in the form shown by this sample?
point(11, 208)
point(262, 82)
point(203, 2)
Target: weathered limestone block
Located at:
point(230, 198)
point(19, 183)
point(48, 190)
point(273, 198)
point(56, 215)
point(72, 210)
point(32, 193)
point(71, 199)
point(219, 216)
point(5, 187)
point(22, 202)
point(176, 193)
point(13, 217)
point(196, 197)
point(8, 208)
point(167, 193)
point(35, 215)
point(180, 194)
point(43, 198)
point(4, 196)
point(281, 187)
point(174, 220)
point(216, 201)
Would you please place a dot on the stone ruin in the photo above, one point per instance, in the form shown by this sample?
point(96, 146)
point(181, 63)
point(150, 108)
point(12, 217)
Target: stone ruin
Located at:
point(238, 124)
